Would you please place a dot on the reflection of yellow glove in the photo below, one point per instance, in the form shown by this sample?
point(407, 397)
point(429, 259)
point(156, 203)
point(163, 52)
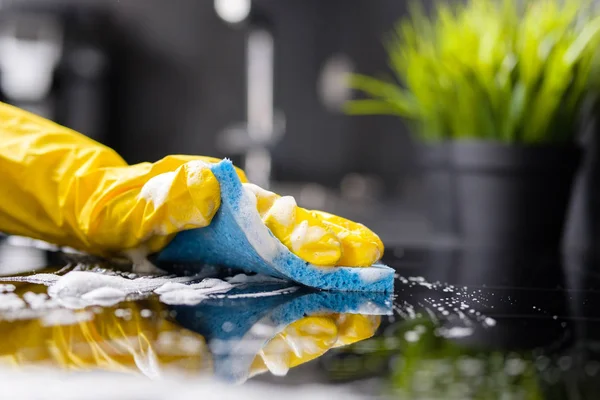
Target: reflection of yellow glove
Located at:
point(133, 342)
point(140, 337)
point(60, 186)
point(310, 338)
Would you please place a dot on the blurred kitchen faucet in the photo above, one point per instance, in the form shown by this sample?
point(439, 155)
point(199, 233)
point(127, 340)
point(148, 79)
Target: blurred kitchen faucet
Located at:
point(254, 138)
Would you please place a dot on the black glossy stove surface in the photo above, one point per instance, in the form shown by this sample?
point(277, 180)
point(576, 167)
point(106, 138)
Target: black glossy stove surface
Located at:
point(465, 324)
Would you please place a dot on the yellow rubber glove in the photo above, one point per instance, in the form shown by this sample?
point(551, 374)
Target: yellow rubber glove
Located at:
point(62, 187)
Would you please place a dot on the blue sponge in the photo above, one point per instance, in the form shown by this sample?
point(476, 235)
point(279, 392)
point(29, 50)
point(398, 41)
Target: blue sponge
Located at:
point(236, 329)
point(238, 238)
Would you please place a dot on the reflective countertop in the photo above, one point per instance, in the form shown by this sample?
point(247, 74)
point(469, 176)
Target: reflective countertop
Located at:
point(461, 324)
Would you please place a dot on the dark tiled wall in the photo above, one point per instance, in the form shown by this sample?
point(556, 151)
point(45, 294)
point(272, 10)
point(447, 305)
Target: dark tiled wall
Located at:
point(184, 81)
point(180, 81)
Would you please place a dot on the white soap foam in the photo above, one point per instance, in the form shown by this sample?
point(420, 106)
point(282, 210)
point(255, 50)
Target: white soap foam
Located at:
point(283, 210)
point(78, 289)
point(208, 285)
point(7, 288)
point(10, 301)
point(372, 274)
point(79, 283)
point(303, 234)
point(195, 168)
point(39, 301)
point(258, 278)
point(169, 287)
point(40, 279)
point(258, 191)
point(183, 297)
point(62, 316)
point(370, 308)
point(259, 294)
point(255, 230)
point(177, 293)
point(104, 296)
point(139, 259)
point(156, 189)
point(367, 275)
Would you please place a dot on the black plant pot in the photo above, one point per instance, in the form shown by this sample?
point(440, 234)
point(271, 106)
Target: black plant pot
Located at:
point(510, 197)
point(583, 233)
point(438, 179)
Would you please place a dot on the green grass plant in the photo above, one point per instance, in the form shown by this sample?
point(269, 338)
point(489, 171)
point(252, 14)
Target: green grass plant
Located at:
point(506, 70)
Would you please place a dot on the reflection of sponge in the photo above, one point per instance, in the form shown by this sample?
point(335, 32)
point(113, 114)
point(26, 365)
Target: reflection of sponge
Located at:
point(237, 328)
point(238, 238)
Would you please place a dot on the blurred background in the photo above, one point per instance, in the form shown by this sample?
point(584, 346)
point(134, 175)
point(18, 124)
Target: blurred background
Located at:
point(260, 81)
point(151, 78)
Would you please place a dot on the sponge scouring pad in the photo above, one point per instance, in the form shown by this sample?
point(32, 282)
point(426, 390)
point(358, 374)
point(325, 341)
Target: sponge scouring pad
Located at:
point(238, 238)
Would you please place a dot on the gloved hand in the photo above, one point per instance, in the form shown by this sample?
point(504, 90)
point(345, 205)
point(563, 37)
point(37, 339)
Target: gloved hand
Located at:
point(62, 187)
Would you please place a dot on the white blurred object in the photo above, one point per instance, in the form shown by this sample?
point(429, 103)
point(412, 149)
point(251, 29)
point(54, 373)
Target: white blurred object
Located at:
point(259, 105)
point(358, 186)
point(313, 196)
point(17, 259)
point(22, 241)
point(333, 83)
point(233, 11)
point(264, 126)
point(30, 49)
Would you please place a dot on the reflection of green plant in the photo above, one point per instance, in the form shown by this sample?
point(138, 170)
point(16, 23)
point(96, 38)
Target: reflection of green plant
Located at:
point(435, 367)
point(424, 365)
point(489, 70)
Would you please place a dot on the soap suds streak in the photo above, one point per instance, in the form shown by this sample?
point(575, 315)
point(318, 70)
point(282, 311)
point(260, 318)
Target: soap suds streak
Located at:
point(81, 289)
point(178, 293)
point(259, 294)
point(258, 278)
